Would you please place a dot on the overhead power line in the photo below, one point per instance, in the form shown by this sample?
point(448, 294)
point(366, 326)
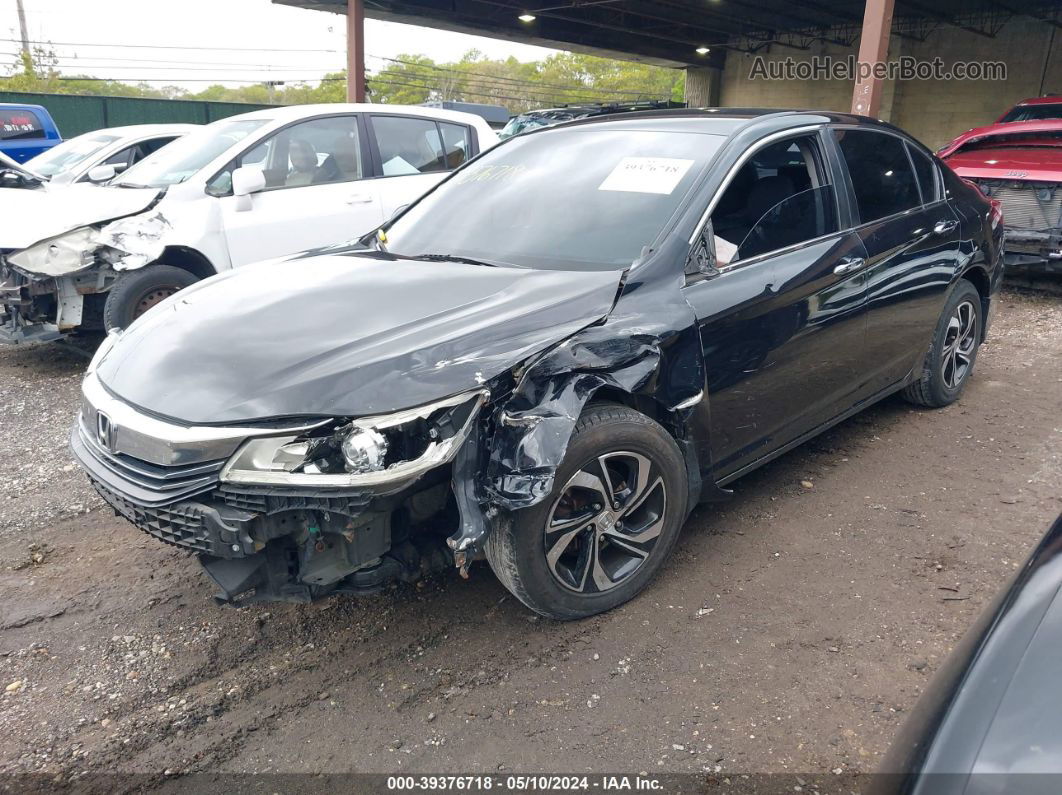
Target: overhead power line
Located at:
point(76, 60)
point(169, 46)
point(172, 80)
point(485, 88)
point(462, 72)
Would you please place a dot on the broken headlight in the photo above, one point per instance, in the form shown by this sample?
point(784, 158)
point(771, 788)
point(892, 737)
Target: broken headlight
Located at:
point(134, 241)
point(60, 255)
point(368, 451)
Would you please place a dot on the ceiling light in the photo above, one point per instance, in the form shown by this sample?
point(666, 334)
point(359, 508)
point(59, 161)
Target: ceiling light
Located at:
point(703, 50)
point(526, 17)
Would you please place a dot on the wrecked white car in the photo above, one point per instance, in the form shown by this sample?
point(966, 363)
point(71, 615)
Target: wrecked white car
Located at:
point(247, 188)
point(100, 155)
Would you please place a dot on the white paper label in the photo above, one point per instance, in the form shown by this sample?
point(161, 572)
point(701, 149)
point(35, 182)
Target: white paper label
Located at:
point(647, 175)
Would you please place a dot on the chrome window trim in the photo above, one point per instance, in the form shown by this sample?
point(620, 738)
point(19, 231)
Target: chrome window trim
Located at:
point(759, 258)
point(164, 443)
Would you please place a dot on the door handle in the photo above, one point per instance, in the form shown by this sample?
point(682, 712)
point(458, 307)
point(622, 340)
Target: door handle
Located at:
point(849, 264)
point(943, 227)
point(359, 198)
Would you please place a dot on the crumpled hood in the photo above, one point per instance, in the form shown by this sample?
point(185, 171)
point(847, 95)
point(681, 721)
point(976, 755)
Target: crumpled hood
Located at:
point(350, 335)
point(10, 164)
point(30, 216)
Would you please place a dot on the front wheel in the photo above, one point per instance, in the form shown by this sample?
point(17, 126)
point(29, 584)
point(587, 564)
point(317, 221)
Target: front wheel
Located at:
point(135, 292)
point(618, 503)
point(953, 352)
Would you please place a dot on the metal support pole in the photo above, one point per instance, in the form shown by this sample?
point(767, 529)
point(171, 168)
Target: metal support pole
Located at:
point(22, 27)
point(355, 51)
point(873, 49)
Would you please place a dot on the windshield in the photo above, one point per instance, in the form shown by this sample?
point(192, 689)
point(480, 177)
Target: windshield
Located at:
point(572, 199)
point(69, 154)
point(1052, 110)
point(178, 161)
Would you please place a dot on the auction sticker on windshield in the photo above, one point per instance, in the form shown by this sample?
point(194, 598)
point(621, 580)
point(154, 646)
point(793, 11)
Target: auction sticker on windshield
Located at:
point(647, 175)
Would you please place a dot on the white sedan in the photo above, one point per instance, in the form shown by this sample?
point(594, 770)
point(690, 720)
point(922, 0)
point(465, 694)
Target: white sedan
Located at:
point(257, 186)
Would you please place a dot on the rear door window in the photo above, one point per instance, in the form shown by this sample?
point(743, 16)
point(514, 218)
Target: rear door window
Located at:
point(456, 145)
point(17, 124)
point(882, 177)
point(926, 171)
point(152, 145)
point(415, 146)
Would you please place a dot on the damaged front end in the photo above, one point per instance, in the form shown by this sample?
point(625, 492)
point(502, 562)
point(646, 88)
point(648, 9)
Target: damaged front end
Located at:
point(371, 476)
point(290, 512)
point(1032, 214)
point(60, 284)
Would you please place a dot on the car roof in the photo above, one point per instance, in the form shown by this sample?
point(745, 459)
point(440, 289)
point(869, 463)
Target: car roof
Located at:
point(1052, 100)
point(721, 121)
point(22, 106)
point(135, 130)
point(287, 113)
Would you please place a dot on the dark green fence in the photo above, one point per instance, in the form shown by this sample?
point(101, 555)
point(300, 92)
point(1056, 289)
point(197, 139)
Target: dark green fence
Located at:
point(76, 114)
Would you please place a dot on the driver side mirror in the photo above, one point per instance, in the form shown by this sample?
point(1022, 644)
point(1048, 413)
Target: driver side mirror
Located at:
point(701, 262)
point(245, 181)
point(103, 173)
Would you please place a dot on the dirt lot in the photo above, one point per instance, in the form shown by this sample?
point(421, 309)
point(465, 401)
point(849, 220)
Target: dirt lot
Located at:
point(792, 631)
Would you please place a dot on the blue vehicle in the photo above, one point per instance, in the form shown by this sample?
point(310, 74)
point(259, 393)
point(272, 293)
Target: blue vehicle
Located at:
point(26, 131)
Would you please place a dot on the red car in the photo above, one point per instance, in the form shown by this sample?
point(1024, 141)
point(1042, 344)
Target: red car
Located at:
point(1017, 162)
point(1035, 109)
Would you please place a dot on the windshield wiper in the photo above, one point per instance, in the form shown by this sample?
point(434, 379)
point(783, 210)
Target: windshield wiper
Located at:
point(454, 258)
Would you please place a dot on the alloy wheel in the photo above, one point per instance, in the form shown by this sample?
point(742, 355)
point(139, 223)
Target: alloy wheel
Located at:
point(606, 522)
point(960, 342)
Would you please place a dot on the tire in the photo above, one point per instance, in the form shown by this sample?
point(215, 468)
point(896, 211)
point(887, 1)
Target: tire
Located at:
point(953, 352)
point(646, 475)
point(137, 291)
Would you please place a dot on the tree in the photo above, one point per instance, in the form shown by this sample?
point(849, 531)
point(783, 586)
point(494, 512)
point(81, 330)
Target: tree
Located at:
point(408, 79)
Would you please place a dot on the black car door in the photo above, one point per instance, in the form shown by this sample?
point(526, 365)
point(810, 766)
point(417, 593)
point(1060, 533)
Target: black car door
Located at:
point(911, 235)
point(783, 322)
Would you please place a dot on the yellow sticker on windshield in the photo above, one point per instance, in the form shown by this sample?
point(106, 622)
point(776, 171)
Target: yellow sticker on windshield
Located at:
point(499, 173)
point(647, 175)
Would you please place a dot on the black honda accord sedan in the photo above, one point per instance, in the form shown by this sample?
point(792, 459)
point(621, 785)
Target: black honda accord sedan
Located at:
point(548, 360)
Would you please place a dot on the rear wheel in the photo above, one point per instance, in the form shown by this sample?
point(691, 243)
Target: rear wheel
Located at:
point(951, 357)
point(135, 292)
point(618, 503)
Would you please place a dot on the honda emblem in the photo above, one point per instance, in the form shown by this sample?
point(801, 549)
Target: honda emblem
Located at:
point(105, 431)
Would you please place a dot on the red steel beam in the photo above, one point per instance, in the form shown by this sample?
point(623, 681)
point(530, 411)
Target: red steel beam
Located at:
point(873, 48)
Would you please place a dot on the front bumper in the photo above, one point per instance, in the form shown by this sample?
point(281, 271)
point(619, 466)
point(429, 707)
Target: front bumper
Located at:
point(258, 543)
point(42, 309)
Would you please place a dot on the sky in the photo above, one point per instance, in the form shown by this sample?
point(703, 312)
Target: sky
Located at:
point(194, 43)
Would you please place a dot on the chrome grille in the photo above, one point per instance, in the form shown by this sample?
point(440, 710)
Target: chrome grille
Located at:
point(146, 483)
point(1023, 209)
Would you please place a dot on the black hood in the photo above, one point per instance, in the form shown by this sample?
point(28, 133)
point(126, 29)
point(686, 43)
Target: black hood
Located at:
point(344, 336)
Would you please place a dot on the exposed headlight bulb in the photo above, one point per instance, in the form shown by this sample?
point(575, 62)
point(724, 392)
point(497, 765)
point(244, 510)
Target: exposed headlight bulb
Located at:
point(364, 451)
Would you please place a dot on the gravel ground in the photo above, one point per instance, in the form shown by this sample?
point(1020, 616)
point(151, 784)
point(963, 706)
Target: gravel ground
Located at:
point(791, 632)
point(39, 396)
